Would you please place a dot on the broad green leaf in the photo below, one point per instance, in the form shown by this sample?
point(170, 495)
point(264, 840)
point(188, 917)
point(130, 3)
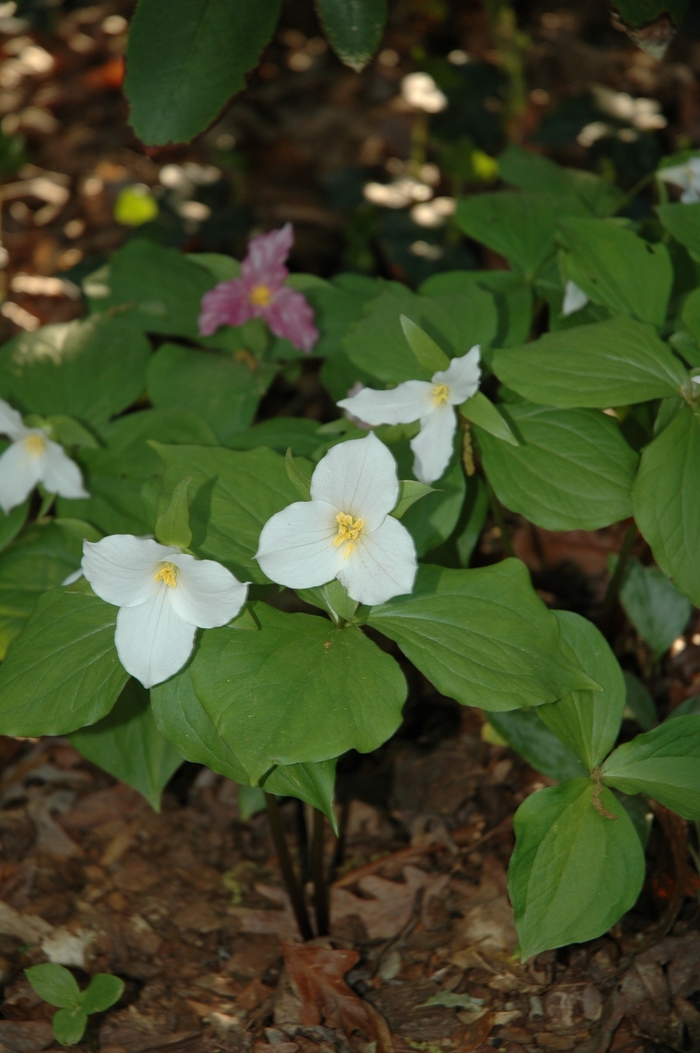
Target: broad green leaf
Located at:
point(353, 27)
point(611, 363)
point(338, 601)
point(480, 410)
point(232, 495)
point(297, 690)
point(472, 520)
point(185, 60)
point(337, 305)
point(482, 637)
point(159, 288)
point(55, 984)
point(69, 432)
point(513, 296)
point(666, 497)
point(115, 475)
point(588, 722)
point(573, 469)
point(312, 783)
point(251, 801)
point(410, 491)
point(225, 393)
point(574, 872)
point(102, 992)
point(87, 369)
point(127, 744)
point(657, 609)
point(281, 434)
point(639, 13)
point(519, 225)
point(69, 1026)
point(377, 344)
point(664, 763)
point(39, 560)
point(296, 477)
point(62, 672)
point(12, 523)
point(683, 222)
point(173, 526)
point(639, 702)
point(431, 521)
point(428, 355)
point(616, 268)
point(531, 171)
point(527, 735)
point(690, 706)
point(222, 267)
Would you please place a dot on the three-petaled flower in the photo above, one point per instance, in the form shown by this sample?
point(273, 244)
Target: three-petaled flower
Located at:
point(685, 176)
point(33, 458)
point(163, 595)
point(260, 292)
point(345, 530)
point(431, 402)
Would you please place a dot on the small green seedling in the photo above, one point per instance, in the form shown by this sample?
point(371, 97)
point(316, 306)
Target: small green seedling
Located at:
point(57, 986)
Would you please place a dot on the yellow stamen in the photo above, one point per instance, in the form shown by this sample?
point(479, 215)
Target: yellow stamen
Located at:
point(440, 393)
point(349, 531)
point(167, 574)
point(260, 295)
point(35, 445)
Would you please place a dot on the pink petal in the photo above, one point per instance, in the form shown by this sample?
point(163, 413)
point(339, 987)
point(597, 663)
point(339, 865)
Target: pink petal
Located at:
point(264, 264)
point(290, 315)
point(226, 304)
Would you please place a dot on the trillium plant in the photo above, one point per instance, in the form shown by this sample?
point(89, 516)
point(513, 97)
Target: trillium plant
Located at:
point(249, 592)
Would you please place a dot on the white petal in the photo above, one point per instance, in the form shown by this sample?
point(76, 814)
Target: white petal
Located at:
point(382, 565)
point(72, 578)
point(121, 568)
point(11, 422)
point(679, 175)
point(432, 446)
point(358, 477)
point(408, 402)
point(574, 299)
point(296, 545)
point(206, 594)
point(690, 196)
point(152, 642)
point(59, 474)
point(20, 471)
point(462, 376)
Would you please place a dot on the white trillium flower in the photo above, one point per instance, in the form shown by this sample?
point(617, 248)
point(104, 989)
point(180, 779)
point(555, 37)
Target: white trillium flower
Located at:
point(686, 176)
point(33, 458)
point(574, 299)
point(432, 402)
point(345, 530)
point(163, 595)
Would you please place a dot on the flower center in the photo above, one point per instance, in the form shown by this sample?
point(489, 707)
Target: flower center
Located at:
point(440, 393)
point(349, 530)
point(260, 295)
point(35, 445)
point(167, 574)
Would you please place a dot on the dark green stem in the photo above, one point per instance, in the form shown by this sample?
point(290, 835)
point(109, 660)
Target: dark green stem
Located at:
point(631, 194)
point(500, 521)
point(302, 842)
point(615, 584)
point(318, 874)
point(296, 894)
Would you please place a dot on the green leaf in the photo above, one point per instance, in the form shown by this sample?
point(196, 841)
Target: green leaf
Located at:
point(222, 267)
point(173, 526)
point(519, 225)
point(225, 393)
point(127, 744)
point(574, 872)
point(480, 410)
point(297, 477)
point(428, 355)
point(588, 722)
point(39, 560)
point(12, 523)
point(87, 369)
point(69, 432)
point(338, 601)
point(683, 222)
point(531, 738)
point(690, 706)
point(102, 992)
point(513, 296)
point(298, 690)
point(251, 801)
point(482, 637)
point(666, 497)
point(69, 1026)
point(410, 491)
point(431, 522)
point(232, 495)
point(573, 469)
point(664, 763)
point(62, 671)
point(639, 702)
point(55, 984)
point(281, 434)
point(617, 269)
point(639, 13)
point(610, 363)
point(353, 27)
point(312, 783)
point(185, 60)
point(530, 171)
point(657, 609)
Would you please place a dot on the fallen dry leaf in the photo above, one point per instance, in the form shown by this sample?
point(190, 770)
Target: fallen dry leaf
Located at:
point(391, 906)
point(280, 923)
point(317, 976)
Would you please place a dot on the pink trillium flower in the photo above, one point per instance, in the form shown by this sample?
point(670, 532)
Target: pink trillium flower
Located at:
point(260, 292)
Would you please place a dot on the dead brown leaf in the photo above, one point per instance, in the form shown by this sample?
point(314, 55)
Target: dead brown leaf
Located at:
point(317, 975)
point(391, 905)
